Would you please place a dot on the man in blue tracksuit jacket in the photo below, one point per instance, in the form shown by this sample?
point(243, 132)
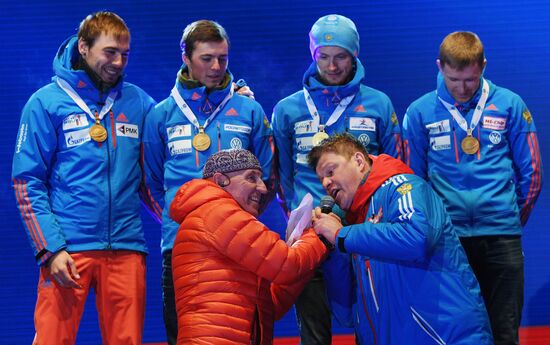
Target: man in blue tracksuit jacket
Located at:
point(476, 144)
point(76, 175)
point(398, 273)
point(338, 102)
point(201, 116)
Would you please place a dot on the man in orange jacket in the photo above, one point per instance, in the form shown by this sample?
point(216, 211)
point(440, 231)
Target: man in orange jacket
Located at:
point(233, 277)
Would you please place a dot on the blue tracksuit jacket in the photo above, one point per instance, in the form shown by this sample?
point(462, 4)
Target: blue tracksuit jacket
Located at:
point(72, 192)
point(489, 193)
point(370, 117)
point(170, 158)
point(399, 274)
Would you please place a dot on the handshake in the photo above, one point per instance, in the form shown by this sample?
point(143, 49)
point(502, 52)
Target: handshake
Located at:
point(325, 223)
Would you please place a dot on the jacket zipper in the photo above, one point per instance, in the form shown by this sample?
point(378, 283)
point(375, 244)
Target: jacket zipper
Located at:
point(364, 300)
point(109, 192)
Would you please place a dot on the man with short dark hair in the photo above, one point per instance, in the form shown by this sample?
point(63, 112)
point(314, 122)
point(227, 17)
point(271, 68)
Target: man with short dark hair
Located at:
point(399, 274)
point(76, 176)
point(476, 144)
point(202, 116)
point(333, 99)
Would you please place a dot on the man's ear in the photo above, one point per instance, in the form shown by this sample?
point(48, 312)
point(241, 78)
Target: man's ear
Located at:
point(360, 160)
point(185, 59)
point(438, 63)
point(220, 179)
point(83, 47)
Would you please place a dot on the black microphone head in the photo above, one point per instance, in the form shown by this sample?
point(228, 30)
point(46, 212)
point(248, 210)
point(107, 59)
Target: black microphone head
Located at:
point(326, 204)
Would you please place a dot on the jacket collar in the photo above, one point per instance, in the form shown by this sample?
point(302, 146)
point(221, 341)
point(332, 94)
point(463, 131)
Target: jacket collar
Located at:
point(317, 89)
point(447, 97)
point(383, 167)
point(193, 92)
point(67, 65)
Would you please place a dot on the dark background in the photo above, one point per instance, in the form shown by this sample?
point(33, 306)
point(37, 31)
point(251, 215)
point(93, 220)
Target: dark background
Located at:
point(269, 48)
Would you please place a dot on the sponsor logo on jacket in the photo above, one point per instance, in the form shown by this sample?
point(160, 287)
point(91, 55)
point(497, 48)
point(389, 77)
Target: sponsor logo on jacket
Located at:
point(75, 121)
point(362, 124)
point(77, 138)
point(303, 127)
point(179, 146)
point(496, 123)
point(364, 139)
point(178, 131)
point(304, 144)
point(127, 130)
point(235, 128)
point(21, 137)
point(236, 143)
point(495, 137)
point(440, 143)
point(439, 127)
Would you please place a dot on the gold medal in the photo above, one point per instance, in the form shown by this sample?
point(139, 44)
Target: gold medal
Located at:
point(201, 141)
point(98, 133)
point(470, 145)
point(319, 136)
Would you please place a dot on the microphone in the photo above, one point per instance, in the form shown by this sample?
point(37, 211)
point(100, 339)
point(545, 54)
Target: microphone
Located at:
point(240, 84)
point(326, 204)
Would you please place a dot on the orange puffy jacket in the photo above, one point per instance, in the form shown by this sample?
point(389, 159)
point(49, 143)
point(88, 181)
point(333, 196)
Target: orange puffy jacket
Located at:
point(233, 277)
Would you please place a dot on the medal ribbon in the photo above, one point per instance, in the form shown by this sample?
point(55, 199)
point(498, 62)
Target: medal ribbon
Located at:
point(189, 113)
point(342, 105)
point(78, 100)
point(477, 112)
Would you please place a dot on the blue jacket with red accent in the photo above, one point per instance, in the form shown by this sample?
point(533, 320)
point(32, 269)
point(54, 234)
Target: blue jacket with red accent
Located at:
point(399, 274)
point(170, 158)
point(370, 117)
point(74, 193)
point(493, 191)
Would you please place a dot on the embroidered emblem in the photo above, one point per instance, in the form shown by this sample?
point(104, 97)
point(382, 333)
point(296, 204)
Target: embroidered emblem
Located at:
point(527, 116)
point(394, 119)
point(405, 188)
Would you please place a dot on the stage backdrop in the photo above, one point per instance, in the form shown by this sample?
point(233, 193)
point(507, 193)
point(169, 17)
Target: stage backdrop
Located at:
point(269, 48)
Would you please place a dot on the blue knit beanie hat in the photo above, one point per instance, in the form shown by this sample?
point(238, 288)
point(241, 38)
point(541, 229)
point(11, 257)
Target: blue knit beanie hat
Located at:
point(334, 30)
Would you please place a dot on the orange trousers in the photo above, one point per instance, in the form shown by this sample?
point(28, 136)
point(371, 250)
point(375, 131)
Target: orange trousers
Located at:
point(118, 280)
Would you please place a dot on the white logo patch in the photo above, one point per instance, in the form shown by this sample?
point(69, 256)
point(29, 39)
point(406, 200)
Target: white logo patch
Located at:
point(304, 144)
point(364, 139)
point(439, 127)
point(440, 143)
point(234, 128)
point(495, 137)
point(77, 138)
point(304, 127)
point(127, 130)
point(236, 143)
point(178, 131)
point(179, 146)
point(496, 123)
point(75, 121)
point(21, 137)
point(301, 158)
point(362, 124)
